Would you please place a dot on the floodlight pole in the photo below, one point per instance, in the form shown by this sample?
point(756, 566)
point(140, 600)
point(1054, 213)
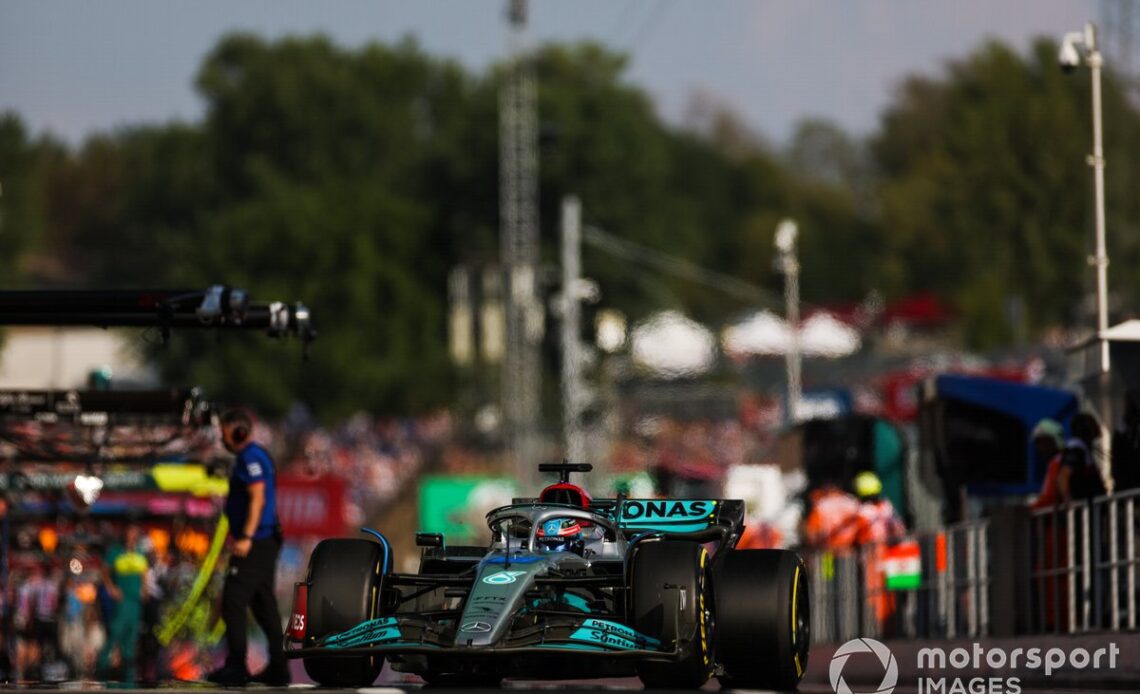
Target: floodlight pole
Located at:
point(1095, 60)
point(789, 264)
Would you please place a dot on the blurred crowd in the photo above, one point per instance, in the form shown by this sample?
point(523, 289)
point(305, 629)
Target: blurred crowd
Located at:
point(68, 583)
point(378, 455)
point(61, 599)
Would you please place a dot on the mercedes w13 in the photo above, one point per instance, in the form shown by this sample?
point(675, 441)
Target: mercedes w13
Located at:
point(567, 587)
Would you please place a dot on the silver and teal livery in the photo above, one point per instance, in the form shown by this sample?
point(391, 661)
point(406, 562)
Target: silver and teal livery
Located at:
point(632, 595)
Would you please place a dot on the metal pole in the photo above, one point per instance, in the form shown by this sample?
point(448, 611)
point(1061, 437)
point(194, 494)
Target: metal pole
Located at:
point(1096, 61)
point(786, 233)
point(519, 253)
point(792, 288)
point(573, 392)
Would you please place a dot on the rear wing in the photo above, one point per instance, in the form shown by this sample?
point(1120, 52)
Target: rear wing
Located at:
point(698, 519)
point(673, 516)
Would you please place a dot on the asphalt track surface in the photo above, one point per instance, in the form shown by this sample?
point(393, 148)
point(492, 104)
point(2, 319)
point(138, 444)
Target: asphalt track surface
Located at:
point(570, 686)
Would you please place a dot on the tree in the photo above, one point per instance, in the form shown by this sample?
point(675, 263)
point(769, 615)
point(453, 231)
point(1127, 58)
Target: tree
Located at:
point(982, 191)
point(20, 218)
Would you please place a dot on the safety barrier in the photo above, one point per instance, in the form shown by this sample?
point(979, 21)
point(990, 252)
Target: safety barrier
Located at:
point(1085, 565)
point(1066, 570)
point(930, 585)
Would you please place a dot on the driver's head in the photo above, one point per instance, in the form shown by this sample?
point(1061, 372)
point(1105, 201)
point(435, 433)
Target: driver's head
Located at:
point(560, 535)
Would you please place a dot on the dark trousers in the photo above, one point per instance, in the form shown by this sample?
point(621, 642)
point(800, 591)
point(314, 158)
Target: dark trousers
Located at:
point(250, 586)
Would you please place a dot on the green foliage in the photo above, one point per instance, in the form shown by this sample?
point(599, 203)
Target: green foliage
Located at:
point(20, 219)
point(983, 192)
point(355, 179)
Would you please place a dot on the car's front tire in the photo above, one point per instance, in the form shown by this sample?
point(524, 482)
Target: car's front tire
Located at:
point(345, 581)
point(670, 601)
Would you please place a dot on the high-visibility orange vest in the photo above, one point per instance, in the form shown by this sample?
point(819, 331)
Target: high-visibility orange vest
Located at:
point(833, 521)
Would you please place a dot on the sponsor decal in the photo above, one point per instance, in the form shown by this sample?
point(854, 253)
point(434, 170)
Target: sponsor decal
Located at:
point(486, 605)
point(670, 516)
point(476, 627)
point(502, 578)
point(297, 624)
point(613, 635)
point(365, 634)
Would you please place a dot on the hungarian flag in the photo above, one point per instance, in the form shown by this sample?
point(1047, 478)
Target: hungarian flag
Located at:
point(902, 566)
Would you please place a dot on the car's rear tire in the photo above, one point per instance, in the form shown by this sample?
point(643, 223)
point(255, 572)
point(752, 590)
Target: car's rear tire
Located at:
point(345, 581)
point(670, 600)
point(763, 618)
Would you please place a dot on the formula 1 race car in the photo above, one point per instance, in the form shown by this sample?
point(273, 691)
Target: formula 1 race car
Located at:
point(570, 587)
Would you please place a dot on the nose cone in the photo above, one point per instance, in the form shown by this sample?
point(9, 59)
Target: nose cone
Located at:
point(495, 597)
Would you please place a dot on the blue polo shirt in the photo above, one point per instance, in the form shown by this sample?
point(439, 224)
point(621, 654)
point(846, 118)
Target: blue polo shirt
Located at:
point(253, 465)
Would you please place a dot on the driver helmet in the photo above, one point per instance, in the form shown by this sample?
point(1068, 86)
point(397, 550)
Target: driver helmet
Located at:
point(559, 535)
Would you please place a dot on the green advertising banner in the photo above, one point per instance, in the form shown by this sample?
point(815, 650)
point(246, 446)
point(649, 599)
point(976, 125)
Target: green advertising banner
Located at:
point(457, 505)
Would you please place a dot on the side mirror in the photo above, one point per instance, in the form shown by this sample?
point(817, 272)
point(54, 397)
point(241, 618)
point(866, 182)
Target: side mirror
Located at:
point(429, 539)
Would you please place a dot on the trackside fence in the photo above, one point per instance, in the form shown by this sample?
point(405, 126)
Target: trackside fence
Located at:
point(1085, 566)
point(1065, 570)
point(947, 581)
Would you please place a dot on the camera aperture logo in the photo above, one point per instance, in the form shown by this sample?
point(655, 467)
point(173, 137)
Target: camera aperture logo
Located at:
point(976, 668)
point(880, 650)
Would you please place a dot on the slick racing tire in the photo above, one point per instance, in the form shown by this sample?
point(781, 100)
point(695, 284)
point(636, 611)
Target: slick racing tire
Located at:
point(345, 579)
point(762, 619)
point(670, 600)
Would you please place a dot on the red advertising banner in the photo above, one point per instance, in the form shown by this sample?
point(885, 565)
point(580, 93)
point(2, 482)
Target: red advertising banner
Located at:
point(311, 507)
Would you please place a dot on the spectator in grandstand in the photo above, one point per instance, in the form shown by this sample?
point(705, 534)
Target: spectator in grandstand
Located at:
point(251, 509)
point(879, 522)
point(124, 574)
point(1126, 445)
point(1079, 478)
point(832, 521)
point(1048, 440)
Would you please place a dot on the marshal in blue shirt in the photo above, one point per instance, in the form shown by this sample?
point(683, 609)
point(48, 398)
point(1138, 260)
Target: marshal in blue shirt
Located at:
point(253, 465)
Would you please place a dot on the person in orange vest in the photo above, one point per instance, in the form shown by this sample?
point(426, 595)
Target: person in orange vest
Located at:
point(878, 520)
point(879, 525)
point(760, 535)
point(833, 518)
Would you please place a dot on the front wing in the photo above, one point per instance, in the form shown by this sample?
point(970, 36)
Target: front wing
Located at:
point(421, 636)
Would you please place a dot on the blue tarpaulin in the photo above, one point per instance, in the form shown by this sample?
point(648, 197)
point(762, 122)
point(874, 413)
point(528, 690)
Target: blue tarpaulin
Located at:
point(1028, 403)
point(1009, 403)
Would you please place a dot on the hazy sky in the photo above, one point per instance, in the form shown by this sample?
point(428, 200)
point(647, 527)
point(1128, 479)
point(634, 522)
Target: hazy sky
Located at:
point(73, 67)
